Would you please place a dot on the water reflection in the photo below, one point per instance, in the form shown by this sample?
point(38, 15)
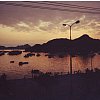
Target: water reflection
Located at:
point(43, 63)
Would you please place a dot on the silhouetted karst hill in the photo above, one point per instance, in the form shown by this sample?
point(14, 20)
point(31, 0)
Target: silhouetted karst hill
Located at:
point(83, 44)
point(84, 38)
point(17, 47)
point(36, 48)
point(23, 46)
point(86, 44)
point(56, 45)
point(52, 46)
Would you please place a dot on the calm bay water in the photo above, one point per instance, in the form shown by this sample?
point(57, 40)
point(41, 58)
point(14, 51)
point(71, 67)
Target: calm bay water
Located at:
point(43, 63)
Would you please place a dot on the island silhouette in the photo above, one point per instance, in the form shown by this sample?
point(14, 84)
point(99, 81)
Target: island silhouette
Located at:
point(82, 45)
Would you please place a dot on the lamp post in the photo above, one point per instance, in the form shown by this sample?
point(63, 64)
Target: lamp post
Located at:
point(70, 26)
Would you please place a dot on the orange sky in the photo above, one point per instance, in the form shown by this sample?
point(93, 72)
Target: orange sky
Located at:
point(19, 25)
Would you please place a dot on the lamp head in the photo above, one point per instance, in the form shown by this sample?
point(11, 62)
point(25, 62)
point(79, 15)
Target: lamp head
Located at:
point(77, 22)
point(64, 24)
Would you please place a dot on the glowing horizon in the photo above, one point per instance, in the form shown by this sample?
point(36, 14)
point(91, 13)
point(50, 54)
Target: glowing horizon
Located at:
point(31, 26)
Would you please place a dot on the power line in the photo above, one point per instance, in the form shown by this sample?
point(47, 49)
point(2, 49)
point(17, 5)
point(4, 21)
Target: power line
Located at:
point(47, 8)
point(65, 5)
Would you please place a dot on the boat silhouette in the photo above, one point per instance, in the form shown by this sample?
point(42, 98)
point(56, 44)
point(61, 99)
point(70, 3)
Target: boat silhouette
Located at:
point(21, 63)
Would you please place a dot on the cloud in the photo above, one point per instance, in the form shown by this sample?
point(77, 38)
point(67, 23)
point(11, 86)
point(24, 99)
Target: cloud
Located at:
point(44, 30)
point(85, 26)
point(44, 25)
point(82, 18)
point(22, 24)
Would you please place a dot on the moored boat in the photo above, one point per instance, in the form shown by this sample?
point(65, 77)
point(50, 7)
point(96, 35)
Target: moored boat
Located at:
point(11, 61)
point(29, 55)
point(14, 52)
point(38, 55)
point(21, 63)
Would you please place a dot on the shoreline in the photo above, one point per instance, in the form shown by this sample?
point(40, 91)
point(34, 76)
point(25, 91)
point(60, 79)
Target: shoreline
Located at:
point(84, 87)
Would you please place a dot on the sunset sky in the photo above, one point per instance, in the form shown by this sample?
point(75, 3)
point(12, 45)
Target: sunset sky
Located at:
point(25, 25)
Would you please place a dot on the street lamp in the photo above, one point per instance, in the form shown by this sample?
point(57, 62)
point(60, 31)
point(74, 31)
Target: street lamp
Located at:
point(70, 40)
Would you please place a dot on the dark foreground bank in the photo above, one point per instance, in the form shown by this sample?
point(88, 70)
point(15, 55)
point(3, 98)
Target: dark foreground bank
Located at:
point(62, 87)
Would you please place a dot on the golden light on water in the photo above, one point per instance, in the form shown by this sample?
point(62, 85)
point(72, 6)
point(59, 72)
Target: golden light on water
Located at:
point(56, 64)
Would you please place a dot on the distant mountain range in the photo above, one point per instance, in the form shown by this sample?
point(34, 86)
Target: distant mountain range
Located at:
point(17, 47)
point(83, 44)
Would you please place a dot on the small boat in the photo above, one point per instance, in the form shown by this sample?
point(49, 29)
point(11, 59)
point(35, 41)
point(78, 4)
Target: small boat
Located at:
point(14, 52)
point(26, 56)
point(11, 61)
point(21, 63)
point(38, 55)
point(29, 55)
